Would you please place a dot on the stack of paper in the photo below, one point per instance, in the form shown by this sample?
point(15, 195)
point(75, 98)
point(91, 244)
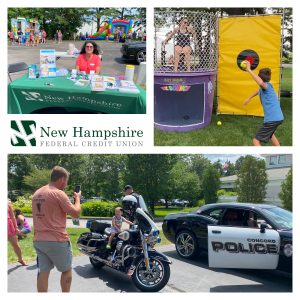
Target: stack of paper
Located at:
point(127, 86)
point(110, 83)
point(97, 83)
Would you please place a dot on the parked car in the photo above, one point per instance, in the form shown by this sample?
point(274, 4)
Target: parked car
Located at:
point(134, 51)
point(180, 202)
point(234, 235)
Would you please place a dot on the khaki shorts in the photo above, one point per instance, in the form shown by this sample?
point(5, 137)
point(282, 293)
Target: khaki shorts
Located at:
point(50, 254)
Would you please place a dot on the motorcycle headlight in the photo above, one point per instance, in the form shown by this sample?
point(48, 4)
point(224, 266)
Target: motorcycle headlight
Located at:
point(288, 250)
point(88, 224)
point(155, 232)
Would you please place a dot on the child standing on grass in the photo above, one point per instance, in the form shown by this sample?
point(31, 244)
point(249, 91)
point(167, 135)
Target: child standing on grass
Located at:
point(116, 223)
point(273, 116)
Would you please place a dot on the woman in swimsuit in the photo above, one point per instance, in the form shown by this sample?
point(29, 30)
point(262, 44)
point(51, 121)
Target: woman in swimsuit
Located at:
point(182, 33)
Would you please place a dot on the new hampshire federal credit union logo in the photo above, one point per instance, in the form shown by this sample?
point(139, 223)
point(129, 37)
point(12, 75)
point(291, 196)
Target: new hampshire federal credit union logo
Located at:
point(23, 133)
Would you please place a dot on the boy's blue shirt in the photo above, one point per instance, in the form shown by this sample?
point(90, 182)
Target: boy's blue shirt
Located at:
point(270, 104)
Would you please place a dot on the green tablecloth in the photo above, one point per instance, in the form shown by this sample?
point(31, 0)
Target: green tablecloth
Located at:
point(27, 95)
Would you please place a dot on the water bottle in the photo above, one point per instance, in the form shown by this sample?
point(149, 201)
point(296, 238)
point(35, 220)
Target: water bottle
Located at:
point(129, 72)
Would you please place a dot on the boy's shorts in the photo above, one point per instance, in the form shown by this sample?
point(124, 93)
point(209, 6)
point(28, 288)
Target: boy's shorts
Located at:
point(25, 230)
point(50, 254)
point(266, 131)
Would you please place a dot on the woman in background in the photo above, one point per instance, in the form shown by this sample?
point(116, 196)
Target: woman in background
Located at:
point(12, 231)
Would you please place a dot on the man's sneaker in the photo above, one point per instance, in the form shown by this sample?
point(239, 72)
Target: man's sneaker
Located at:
point(108, 246)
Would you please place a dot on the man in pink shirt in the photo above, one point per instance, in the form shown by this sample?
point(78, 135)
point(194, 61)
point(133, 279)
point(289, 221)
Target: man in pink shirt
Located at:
point(50, 206)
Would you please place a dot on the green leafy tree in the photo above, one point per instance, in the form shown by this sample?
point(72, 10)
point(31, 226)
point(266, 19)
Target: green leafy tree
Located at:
point(210, 184)
point(184, 183)
point(252, 180)
point(230, 169)
point(149, 174)
point(19, 165)
point(219, 167)
point(67, 19)
point(36, 179)
point(238, 163)
point(286, 194)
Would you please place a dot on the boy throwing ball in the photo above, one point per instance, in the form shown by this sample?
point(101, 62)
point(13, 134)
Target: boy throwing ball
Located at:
point(273, 116)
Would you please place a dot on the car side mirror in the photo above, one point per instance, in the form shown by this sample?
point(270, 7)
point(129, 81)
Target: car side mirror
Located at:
point(263, 227)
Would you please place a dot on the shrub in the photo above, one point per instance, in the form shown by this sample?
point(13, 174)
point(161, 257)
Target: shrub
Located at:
point(24, 204)
point(225, 193)
point(98, 209)
point(200, 202)
point(286, 194)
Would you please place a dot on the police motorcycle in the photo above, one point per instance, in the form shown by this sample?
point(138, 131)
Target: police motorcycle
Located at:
point(132, 251)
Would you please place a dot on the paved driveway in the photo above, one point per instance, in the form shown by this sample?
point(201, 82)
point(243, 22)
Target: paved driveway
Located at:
point(186, 276)
point(112, 63)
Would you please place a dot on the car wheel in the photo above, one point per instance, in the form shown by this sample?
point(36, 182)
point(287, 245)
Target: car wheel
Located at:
point(141, 56)
point(186, 244)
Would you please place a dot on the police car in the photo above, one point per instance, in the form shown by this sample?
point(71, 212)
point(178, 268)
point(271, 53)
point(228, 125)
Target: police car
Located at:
point(235, 235)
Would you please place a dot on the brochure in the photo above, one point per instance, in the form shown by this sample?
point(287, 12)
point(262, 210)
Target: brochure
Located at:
point(97, 84)
point(47, 63)
point(110, 83)
point(127, 86)
point(32, 71)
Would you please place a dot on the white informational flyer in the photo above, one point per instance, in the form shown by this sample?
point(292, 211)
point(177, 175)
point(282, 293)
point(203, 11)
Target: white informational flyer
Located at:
point(47, 63)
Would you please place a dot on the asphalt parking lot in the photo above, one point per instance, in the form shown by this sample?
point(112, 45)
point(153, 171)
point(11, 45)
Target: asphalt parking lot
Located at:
point(112, 62)
point(186, 276)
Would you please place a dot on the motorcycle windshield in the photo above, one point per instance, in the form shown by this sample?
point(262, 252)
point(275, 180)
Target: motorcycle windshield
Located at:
point(142, 203)
point(145, 223)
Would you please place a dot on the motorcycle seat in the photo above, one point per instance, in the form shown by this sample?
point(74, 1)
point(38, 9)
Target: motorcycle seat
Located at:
point(107, 230)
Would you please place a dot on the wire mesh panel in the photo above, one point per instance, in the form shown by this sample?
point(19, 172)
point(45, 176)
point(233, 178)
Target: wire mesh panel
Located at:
point(185, 41)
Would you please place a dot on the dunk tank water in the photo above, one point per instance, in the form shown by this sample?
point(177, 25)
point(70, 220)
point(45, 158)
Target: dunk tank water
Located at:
point(183, 101)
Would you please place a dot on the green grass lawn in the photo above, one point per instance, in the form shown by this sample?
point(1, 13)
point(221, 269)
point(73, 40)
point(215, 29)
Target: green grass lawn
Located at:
point(29, 254)
point(162, 211)
point(28, 251)
point(235, 130)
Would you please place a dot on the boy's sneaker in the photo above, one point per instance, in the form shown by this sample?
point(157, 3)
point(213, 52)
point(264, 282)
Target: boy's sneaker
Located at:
point(131, 271)
point(108, 246)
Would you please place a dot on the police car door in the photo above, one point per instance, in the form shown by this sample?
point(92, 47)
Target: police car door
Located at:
point(243, 247)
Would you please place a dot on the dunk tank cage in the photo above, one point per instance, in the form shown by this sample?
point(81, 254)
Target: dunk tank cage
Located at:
point(185, 65)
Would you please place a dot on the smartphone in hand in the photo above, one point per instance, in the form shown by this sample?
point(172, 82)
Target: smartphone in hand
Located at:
point(77, 188)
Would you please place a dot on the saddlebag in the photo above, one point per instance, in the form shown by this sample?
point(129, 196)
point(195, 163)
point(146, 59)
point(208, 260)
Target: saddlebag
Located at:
point(91, 241)
point(97, 226)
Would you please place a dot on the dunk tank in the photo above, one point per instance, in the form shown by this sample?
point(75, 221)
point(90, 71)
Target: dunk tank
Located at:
point(185, 66)
point(187, 58)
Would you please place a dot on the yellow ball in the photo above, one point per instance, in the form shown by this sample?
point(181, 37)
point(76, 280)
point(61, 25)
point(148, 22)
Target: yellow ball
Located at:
point(243, 64)
point(219, 123)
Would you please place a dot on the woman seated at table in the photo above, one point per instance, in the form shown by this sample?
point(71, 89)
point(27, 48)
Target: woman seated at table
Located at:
point(89, 59)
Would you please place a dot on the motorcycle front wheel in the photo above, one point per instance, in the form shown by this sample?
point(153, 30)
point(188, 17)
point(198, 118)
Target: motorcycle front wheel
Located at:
point(153, 280)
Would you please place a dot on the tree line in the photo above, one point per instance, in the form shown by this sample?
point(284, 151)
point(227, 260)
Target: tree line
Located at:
point(69, 20)
point(155, 176)
point(287, 12)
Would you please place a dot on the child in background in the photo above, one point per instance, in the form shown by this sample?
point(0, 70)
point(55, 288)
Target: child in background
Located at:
point(116, 222)
point(12, 38)
point(22, 223)
point(31, 39)
point(27, 33)
point(273, 116)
